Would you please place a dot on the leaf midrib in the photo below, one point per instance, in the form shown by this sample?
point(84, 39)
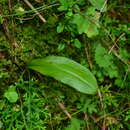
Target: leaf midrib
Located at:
point(66, 71)
point(81, 79)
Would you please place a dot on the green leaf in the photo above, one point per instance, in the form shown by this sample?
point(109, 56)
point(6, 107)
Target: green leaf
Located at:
point(65, 4)
point(81, 22)
point(99, 4)
point(87, 23)
point(61, 47)
point(74, 125)
point(67, 71)
point(77, 43)
point(92, 30)
point(11, 94)
point(60, 28)
point(103, 59)
point(2, 104)
point(1, 20)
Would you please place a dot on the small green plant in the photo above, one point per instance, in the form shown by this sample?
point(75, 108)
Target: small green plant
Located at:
point(86, 21)
point(106, 61)
point(29, 112)
point(11, 94)
point(75, 124)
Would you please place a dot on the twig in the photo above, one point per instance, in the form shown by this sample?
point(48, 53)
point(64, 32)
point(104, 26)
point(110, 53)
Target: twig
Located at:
point(101, 100)
point(10, 6)
point(113, 51)
point(8, 34)
point(102, 105)
point(21, 108)
point(14, 43)
point(115, 44)
point(39, 15)
point(86, 119)
point(40, 9)
point(26, 18)
point(88, 57)
point(120, 58)
point(105, 3)
point(64, 109)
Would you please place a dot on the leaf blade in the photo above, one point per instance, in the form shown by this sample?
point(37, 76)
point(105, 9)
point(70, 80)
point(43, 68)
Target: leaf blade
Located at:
point(67, 71)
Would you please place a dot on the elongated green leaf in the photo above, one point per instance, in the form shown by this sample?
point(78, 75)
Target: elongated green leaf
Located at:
point(67, 71)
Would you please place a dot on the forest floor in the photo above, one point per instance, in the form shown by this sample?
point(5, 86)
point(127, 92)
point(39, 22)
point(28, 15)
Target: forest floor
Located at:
point(94, 34)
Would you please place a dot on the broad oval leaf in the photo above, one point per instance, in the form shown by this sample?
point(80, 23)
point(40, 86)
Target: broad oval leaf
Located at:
point(67, 71)
point(11, 94)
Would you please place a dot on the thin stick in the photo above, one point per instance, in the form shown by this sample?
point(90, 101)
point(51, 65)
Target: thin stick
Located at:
point(64, 109)
point(21, 108)
point(8, 34)
point(102, 106)
point(86, 119)
point(88, 58)
point(101, 99)
point(103, 6)
point(31, 6)
point(10, 6)
point(120, 58)
point(115, 44)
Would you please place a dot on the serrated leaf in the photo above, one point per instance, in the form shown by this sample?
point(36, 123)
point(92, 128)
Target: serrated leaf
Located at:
point(103, 59)
point(88, 24)
point(81, 22)
point(74, 125)
point(67, 71)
